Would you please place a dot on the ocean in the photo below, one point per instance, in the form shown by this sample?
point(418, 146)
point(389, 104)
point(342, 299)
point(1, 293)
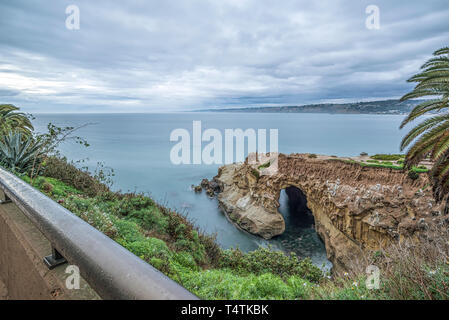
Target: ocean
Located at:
point(137, 147)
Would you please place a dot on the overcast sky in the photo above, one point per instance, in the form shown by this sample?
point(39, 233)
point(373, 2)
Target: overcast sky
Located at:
point(144, 56)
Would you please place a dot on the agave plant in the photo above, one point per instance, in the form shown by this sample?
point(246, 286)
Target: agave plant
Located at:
point(430, 138)
point(19, 153)
point(10, 119)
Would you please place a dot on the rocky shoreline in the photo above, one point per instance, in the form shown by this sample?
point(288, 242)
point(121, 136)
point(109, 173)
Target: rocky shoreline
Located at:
point(211, 187)
point(356, 209)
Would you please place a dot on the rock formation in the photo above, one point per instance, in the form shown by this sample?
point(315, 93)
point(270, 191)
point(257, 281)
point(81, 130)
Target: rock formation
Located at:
point(211, 187)
point(355, 208)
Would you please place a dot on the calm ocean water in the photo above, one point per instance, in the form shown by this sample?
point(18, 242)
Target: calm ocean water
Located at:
point(137, 146)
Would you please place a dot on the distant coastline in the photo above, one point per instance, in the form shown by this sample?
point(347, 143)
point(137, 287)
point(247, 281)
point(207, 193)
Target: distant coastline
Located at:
point(370, 107)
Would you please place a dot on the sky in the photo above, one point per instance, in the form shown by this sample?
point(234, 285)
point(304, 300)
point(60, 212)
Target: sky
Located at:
point(157, 56)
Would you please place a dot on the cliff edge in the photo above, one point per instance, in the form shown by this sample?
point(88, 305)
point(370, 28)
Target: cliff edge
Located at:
point(355, 208)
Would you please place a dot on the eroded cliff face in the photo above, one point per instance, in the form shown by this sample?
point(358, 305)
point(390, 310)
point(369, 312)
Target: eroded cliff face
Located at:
point(355, 208)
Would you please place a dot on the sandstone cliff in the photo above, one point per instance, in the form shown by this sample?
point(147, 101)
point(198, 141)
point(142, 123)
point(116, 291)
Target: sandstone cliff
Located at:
point(355, 208)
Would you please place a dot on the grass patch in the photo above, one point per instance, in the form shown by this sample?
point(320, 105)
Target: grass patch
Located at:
point(383, 164)
point(388, 157)
point(52, 186)
point(255, 173)
point(263, 166)
point(62, 170)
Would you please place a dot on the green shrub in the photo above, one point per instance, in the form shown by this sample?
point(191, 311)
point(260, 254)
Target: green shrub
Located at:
point(267, 286)
point(263, 166)
point(223, 284)
point(150, 219)
point(159, 263)
point(420, 169)
point(134, 202)
point(47, 187)
point(77, 204)
point(185, 259)
point(68, 173)
point(182, 244)
point(255, 173)
point(417, 271)
point(377, 164)
point(264, 260)
point(37, 182)
point(413, 175)
point(388, 157)
point(58, 189)
point(312, 156)
point(301, 289)
point(98, 219)
point(345, 289)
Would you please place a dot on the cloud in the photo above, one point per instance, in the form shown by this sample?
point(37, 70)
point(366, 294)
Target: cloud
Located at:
point(8, 93)
point(143, 56)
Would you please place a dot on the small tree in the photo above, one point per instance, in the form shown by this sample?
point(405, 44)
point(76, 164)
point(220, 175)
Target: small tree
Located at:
point(49, 143)
point(430, 138)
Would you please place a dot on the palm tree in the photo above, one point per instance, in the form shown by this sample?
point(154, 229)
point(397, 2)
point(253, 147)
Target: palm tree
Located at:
point(10, 119)
point(430, 138)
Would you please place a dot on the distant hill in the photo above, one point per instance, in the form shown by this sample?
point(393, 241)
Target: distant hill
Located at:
point(371, 107)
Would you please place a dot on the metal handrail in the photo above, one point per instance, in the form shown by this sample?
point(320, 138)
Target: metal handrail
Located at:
point(111, 270)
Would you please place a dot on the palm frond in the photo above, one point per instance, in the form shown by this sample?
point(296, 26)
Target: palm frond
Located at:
point(422, 108)
point(430, 138)
point(441, 51)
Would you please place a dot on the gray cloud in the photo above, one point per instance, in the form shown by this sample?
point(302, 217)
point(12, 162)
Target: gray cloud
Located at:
point(138, 56)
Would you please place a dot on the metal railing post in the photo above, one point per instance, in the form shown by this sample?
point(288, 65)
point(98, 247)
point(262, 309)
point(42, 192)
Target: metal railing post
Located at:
point(7, 200)
point(55, 259)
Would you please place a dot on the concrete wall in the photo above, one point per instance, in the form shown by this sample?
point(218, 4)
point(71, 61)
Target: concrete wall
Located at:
point(22, 271)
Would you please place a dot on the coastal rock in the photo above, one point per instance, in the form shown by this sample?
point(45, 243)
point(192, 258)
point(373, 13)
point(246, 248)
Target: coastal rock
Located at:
point(355, 208)
point(210, 193)
point(204, 183)
point(211, 187)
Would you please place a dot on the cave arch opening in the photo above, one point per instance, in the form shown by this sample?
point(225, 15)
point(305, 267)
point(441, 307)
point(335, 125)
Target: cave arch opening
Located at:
point(296, 212)
point(300, 235)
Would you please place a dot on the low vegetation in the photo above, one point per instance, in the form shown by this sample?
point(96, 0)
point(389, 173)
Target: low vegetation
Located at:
point(385, 164)
point(264, 166)
point(388, 157)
